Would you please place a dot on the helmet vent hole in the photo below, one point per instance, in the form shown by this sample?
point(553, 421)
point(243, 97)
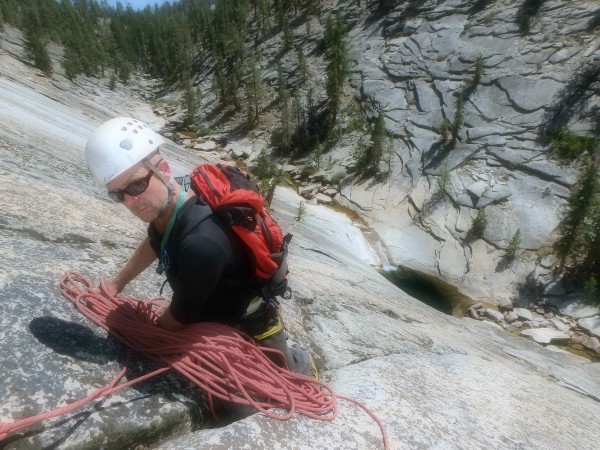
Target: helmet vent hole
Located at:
point(150, 141)
point(127, 144)
point(135, 131)
point(124, 129)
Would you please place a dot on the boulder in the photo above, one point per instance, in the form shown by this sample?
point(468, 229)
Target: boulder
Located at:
point(545, 335)
point(591, 325)
point(494, 315)
point(323, 199)
point(239, 150)
point(308, 190)
point(206, 146)
point(504, 303)
point(511, 317)
point(577, 309)
point(560, 325)
point(523, 314)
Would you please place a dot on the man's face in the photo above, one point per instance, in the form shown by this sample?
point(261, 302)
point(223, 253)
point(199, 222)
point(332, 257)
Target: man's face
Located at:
point(150, 204)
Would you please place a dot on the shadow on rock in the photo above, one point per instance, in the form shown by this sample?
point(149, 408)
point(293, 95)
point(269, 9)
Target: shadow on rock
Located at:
point(75, 340)
point(527, 11)
point(80, 342)
point(433, 157)
point(504, 263)
point(572, 99)
point(478, 6)
point(594, 23)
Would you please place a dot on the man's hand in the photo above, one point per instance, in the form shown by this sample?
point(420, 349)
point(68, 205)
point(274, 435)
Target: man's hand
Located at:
point(168, 322)
point(107, 288)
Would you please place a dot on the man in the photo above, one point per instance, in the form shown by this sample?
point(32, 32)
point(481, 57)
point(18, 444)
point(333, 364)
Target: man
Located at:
point(204, 261)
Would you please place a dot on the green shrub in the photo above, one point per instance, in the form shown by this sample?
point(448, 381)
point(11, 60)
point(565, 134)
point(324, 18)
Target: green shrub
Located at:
point(203, 130)
point(263, 167)
point(112, 83)
point(307, 171)
point(479, 224)
point(445, 130)
point(568, 145)
point(513, 246)
point(356, 121)
point(338, 177)
point(591, 291)
point(301, 212)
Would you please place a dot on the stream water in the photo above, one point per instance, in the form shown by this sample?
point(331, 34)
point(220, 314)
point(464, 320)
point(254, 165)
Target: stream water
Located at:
point(428, 289)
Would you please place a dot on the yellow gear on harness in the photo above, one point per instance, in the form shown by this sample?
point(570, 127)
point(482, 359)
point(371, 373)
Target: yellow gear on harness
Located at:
point(253, 306)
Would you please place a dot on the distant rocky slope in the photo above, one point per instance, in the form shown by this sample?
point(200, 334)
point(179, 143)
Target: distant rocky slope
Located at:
point(412, 63)
point(434, 380)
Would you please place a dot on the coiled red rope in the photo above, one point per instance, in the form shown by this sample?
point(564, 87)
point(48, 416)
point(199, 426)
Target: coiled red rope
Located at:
point(219, 359)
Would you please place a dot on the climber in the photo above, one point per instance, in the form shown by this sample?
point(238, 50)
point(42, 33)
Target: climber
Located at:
point(208, 270)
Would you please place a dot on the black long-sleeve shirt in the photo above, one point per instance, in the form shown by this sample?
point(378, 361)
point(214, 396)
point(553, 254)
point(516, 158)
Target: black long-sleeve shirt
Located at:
point(209, 270)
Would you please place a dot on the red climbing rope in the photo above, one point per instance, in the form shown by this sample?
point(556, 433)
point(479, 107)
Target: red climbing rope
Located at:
point(219, 359)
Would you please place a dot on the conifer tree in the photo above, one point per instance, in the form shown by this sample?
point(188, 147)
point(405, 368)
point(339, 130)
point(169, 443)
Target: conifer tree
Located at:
point(338, 66)
point(369, 158)
point(302, 64)
point(191, 103)
point(578, 208)
point(591, 263)
point(479, 224)
point(35, 48)
point(513, 246)
point(254, 90)
point(458, 119)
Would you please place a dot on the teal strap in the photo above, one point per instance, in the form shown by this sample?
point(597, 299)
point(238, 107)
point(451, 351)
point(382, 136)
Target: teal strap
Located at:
point(163, 262)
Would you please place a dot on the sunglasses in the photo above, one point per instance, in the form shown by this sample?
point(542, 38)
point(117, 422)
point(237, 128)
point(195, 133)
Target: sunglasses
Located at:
point(134, 188)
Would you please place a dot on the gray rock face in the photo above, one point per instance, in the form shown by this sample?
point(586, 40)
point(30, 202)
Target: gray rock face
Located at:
point(522, 81)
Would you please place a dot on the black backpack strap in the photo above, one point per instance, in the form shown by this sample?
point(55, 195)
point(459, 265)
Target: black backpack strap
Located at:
point(278, 284)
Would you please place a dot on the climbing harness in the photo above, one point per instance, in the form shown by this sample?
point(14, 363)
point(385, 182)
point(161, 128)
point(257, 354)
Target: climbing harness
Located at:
point(222, 361)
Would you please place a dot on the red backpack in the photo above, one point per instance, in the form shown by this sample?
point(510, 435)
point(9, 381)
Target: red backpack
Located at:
point(238, 201)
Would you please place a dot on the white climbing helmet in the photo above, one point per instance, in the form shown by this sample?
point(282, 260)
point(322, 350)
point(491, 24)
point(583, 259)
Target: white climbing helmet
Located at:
point(118, 145)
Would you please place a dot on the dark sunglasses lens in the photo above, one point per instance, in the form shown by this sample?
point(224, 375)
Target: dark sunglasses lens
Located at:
point(137, 187)
point(116, 196)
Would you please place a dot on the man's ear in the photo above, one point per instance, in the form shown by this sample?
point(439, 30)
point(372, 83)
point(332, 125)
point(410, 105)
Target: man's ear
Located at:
point(165, 169)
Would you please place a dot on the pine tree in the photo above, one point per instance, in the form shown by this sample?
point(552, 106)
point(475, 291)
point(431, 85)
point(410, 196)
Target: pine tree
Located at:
point(335, 41)
point(513, 246)
point(35, 48)
point(302, 64)
point(444, 129)
point(578, 208)
point(478, 70)
point(191, 103)
point(458, 120)
point(479, 224)
point(254, 90)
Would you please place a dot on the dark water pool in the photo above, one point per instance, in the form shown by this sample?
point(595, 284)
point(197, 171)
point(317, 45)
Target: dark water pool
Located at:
point(430, 290)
